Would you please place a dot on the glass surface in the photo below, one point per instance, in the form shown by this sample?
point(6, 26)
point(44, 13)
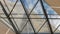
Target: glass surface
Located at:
point(35, 19)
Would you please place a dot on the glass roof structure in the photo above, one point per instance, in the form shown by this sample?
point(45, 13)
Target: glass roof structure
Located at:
point(29, 17)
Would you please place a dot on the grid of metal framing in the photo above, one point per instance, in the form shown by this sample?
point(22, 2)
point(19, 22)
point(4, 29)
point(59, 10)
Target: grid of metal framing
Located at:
point(28, 17)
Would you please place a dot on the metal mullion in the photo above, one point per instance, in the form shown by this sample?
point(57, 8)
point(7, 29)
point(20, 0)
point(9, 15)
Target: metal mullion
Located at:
point(28, 16)
point(11, 11)
point(6, 24)
point(13, 7)
point(57, 28)
point(24, 26)
point(34, 6)
point(41, 2)
point(41, 26)
point(9, 18)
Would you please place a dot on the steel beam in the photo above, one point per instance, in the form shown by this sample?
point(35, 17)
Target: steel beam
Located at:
point(45, 13)
point(9, 18)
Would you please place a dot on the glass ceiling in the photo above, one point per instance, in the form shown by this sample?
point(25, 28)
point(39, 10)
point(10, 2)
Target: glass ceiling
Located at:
point(28, 17)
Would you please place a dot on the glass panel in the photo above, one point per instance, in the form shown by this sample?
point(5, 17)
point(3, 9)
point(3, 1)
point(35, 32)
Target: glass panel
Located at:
point(54, 9)
point(4, 29)
point(34, 20)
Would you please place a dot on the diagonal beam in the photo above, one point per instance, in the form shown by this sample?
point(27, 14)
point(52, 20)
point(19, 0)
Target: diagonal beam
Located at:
point(26, 11)
point(57, 28)
point(45, 13)
point(41, 26)
point(9, 18)
point(30, 14)
point(13, 7)
point(11, 12)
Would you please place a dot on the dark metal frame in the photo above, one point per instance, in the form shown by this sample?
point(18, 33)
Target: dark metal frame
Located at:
point(28, 17)
point(45, 13)
point(9, 18)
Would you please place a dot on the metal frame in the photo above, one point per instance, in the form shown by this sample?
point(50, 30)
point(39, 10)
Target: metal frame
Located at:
point(9, 18)
point(28, 17)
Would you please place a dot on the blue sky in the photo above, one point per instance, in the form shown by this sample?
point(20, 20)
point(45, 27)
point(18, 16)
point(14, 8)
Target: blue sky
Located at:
point(31, 3)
